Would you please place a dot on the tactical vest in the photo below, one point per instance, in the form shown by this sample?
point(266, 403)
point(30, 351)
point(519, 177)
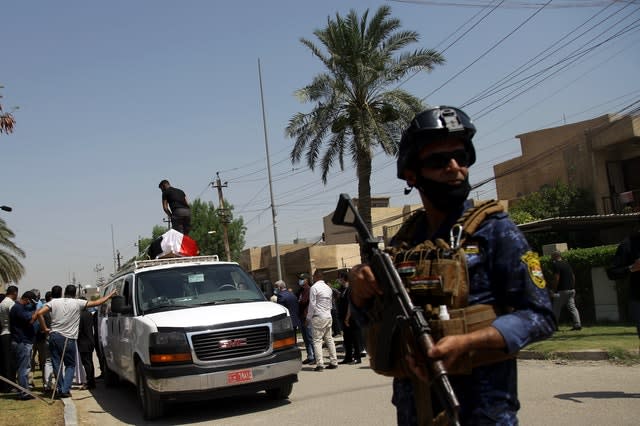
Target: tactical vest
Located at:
point(434, 274)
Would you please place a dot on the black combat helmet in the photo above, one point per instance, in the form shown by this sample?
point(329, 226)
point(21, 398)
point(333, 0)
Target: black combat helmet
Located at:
point(430, 125)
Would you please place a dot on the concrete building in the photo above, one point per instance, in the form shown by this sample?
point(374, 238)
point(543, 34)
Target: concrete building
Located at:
point(296, 259)
point(384, 219)
point(601, 155)
point(339, 250)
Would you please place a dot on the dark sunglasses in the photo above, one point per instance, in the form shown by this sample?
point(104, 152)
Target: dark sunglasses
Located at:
point(440, 160)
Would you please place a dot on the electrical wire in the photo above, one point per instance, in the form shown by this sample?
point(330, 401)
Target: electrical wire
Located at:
point(491, 89)
point(486, 52)
point(530, 85)
point(457, 39)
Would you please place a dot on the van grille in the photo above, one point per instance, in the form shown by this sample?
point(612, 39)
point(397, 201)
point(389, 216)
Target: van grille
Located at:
point(237, 343)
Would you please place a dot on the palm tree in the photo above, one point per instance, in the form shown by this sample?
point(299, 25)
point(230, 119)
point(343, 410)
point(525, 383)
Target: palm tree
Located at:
point(10, 267)
point(7, 122)
point(356, 109)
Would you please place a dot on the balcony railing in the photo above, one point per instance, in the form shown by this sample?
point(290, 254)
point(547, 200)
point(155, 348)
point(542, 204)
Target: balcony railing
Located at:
point(624, 202)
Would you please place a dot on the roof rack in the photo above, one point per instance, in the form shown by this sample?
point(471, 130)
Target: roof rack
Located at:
point(138, 264)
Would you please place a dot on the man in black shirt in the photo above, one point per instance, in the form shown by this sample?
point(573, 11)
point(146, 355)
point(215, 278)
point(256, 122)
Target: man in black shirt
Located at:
point(563, 285)
point(86, 342)
point(626, 262)
point(176, 206)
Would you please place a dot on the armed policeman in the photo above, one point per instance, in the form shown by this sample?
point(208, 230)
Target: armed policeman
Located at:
point(501, 283)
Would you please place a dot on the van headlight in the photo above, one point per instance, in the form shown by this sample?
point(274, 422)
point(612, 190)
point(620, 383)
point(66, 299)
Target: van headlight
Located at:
point(283, 334)
point(169, 348)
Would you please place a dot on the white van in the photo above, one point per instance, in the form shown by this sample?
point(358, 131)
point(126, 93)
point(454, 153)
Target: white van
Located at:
point(194, 328)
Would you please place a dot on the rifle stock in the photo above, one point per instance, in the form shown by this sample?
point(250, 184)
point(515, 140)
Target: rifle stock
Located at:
point(399, 310)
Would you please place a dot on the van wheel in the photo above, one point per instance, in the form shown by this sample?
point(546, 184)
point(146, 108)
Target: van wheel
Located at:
point(152, 407)
point(282, 392)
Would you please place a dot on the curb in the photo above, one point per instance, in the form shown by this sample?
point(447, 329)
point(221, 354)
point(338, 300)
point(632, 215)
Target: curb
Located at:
point(70, 412)
point(586, 355)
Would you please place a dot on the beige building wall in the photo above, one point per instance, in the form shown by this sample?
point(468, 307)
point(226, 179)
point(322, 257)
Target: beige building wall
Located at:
point(381, 217)
point(583, 154)
point(339, 250)
point(303, 258)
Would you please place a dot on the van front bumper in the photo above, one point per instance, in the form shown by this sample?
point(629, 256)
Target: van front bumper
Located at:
point(281, 368)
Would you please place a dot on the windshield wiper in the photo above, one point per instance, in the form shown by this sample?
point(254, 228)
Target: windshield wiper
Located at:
point(236, 300)
point(166, 307)
point(226, 301)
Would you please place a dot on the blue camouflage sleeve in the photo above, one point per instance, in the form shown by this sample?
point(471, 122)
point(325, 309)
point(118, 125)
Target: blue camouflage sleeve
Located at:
point(518, 286)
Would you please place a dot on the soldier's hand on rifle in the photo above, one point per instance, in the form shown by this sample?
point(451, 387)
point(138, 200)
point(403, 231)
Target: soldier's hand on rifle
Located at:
point(450, 348)
point(363, 285)
point(418, 368)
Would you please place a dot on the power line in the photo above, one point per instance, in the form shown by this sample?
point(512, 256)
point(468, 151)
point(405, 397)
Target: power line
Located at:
point(486, 52)
point(513, 4)
point(486, 92)
point(457, 39)
point(573, 59)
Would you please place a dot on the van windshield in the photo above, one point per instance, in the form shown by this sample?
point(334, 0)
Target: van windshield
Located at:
point(196, 285)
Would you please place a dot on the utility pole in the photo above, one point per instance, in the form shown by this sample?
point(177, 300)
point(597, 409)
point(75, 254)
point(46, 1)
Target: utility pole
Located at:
point(266, 147)
point(98, 270)
point(113, 249)
point(137, 244)
point(223, 214)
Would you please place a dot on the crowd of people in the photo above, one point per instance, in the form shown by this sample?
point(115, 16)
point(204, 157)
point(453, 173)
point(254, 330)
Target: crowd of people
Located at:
point(55, 333)
point(320, 312)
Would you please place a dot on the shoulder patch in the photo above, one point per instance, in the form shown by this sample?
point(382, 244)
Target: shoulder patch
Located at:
point(532, 261)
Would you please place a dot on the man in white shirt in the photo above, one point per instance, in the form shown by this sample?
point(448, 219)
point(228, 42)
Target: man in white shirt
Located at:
point(319, 316)
point(65, 322)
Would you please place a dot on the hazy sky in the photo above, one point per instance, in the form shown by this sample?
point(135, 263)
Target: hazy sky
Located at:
point(115, 96)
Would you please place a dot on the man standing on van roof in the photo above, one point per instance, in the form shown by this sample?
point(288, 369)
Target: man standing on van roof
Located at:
point(65, 322)
point(176, 206)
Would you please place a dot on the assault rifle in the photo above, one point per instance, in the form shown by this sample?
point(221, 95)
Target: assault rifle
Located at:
point(398, 310)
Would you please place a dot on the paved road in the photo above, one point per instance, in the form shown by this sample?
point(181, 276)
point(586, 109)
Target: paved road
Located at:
point(552, 393)
point(578, 393)
point(319, 398)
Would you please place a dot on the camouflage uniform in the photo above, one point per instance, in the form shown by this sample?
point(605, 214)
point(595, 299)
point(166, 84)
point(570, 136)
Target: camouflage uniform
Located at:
point(502, 272)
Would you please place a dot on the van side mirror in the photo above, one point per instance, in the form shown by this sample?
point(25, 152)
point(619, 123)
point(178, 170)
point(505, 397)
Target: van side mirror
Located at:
point(119, 306)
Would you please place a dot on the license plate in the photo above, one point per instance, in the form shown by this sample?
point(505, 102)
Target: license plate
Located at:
point(240, 376)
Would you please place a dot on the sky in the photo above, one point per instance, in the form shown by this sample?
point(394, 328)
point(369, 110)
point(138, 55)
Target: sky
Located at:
point(115, 96)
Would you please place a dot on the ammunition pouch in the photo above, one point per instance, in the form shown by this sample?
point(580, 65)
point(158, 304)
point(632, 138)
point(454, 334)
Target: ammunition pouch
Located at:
point(434, 274)
point(467, 320)
point(462, 320)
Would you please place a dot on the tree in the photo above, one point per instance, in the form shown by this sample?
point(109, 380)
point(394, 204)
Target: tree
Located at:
point(558, 200)
point(205, 218)
point(11, 270)
point(7, 122)
point(356, 109)
point(553, 201)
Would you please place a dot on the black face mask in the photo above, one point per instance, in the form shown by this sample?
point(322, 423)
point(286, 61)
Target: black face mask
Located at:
point(443, 196)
